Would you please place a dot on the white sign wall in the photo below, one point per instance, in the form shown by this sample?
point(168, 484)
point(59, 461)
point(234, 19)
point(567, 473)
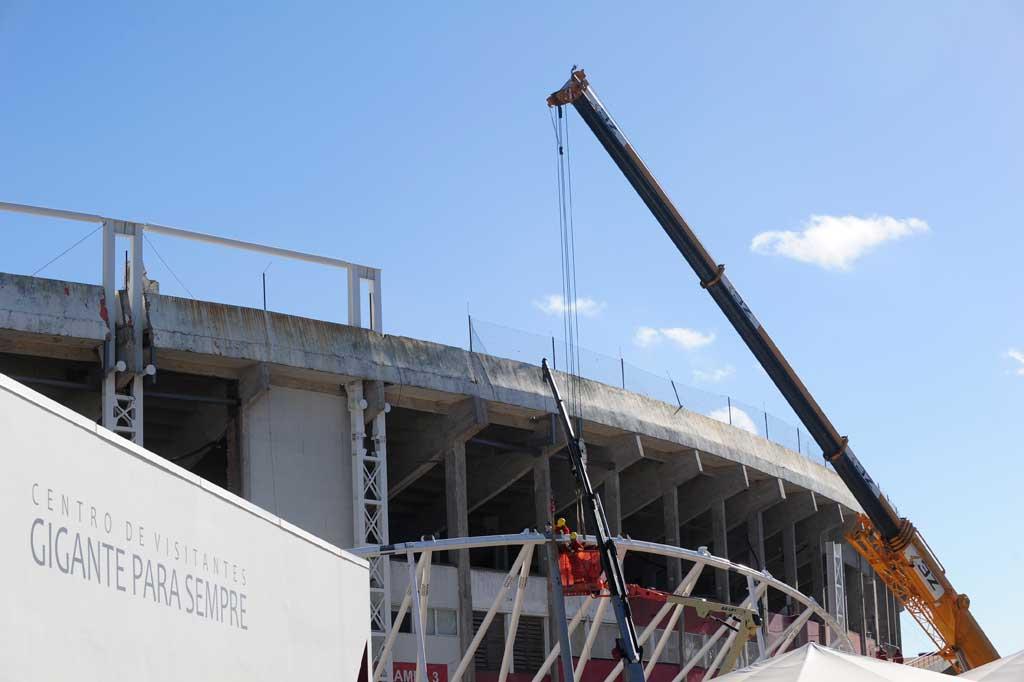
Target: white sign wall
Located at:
point(117, 564)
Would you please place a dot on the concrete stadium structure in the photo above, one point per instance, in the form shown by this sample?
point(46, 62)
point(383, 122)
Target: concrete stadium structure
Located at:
point(364, 438)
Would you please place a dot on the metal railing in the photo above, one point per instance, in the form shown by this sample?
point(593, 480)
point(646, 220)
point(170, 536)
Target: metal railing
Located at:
point(499, 340)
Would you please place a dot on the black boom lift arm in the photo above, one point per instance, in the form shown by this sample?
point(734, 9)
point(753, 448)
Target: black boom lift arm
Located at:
point(628, 643)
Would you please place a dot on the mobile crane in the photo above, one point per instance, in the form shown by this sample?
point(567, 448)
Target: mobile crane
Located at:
point(891, 544)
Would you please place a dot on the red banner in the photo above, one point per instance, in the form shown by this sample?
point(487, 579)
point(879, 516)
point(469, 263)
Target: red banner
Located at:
point(406, 672)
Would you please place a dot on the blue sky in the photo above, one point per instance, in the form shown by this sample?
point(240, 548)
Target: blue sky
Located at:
point(415, 138)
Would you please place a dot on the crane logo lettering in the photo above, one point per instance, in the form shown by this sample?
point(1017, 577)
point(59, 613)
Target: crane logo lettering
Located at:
point(925, 573)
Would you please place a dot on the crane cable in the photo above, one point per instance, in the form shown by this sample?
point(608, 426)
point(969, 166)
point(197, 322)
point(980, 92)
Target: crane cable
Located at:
point(569, 307)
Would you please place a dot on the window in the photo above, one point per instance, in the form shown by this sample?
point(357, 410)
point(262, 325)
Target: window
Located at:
point(406, 625)
point(488, 654)
point(443, 622)
point(528, 652)
point(447, 622)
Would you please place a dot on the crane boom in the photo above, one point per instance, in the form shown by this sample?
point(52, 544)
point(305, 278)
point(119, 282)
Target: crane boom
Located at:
point(893, 546)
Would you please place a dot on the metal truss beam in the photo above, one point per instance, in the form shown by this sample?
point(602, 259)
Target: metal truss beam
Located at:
point(758, 582)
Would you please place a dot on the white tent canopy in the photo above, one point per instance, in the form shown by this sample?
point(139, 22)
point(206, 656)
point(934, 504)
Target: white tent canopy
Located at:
point(1006, 669)
point(815, 663)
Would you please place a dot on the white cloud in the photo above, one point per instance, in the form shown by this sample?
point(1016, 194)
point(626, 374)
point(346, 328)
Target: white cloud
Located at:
point(646, 336)
point(687, 339)
point(836, 242)
point(554, 304)
point(1019, 357)
point(740, 419)
point(713, 376)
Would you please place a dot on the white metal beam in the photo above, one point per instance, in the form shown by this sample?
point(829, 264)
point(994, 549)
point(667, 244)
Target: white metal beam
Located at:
point(789, 634)
point(557, 648)
point(356, 272)
point(517, 609)
point(683, 589)
point(699, 557)
point(467, 657)
point(418, 618)
point(363, 270)
point(588, 643)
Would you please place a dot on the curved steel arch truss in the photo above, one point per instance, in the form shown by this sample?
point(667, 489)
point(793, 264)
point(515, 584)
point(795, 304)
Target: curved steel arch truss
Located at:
point(418, 556)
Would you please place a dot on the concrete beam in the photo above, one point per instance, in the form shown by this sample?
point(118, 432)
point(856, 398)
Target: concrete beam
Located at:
point(373, 394)
point(796, 507)
point(642, 485)
point(618, 453)
point(699, 494)
point(563, 483)
point(829, 517)
point(758, 497)
point(220, 339)
point(486, 483)
point(253, 382)
point(465, 419)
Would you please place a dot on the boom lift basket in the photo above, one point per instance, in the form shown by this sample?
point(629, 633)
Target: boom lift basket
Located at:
point(581, 572)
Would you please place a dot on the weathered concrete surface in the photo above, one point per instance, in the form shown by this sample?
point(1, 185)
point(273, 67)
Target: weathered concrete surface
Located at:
point(246, 334)
point(51, 311)
point(230, 337)
point(298, 449)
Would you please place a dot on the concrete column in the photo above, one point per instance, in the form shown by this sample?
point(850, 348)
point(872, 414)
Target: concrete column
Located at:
point(670, 510)
point(872, 599)
point(896, 625)
point(789, 557)
point(234, 452)
point(817, 571)
point(855, 604)
point(611, 498)
point(542, 493)
point(543, 518)
point(755, 540)
point(755, 546)
point(882, 599)
point(720, 547)
point(458, 526)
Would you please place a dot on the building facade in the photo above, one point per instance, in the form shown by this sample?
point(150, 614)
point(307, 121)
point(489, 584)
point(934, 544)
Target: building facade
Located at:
point(364, 438)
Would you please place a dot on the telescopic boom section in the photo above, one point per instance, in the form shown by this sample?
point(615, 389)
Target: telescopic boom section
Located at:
point(629, 644)
point(909, 562)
